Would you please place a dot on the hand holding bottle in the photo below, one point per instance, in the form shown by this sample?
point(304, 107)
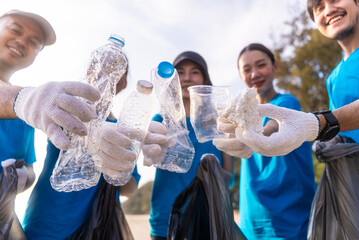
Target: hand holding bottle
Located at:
point(75, 169)
point(155, 144)
point(134, 120)
point(110, 149)
point(55, 104)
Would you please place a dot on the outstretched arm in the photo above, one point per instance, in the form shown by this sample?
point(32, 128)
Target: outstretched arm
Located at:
point(348, 117)
point(7, 96)
point(51, 107)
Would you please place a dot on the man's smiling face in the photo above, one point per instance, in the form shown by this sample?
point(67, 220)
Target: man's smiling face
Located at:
point(21, 39)
point(337, 19)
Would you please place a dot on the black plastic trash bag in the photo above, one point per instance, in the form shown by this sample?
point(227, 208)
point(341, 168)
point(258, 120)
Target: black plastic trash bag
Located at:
point(335, 209)
point(204, 209)
point(107, 220)
point(8, 191)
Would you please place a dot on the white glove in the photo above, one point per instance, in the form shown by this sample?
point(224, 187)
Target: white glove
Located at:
point(54, 105)
point(108, 143)
point(231, 145)
point(295, 127)
point(155, 144)
point(21, 173)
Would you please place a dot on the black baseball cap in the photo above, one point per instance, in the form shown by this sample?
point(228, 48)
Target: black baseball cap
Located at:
point(196, 58)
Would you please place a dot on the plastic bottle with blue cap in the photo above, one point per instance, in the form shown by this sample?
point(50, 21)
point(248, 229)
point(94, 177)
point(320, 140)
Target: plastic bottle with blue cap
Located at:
point(75, 168)
point(178, 157)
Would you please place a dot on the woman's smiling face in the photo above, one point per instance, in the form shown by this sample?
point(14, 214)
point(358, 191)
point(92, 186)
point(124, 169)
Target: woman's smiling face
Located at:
point(257, 70)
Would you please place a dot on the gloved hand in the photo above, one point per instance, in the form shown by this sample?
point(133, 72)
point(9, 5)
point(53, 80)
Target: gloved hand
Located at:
point(295, 127)
point(54, 105)
point(107, 145)
point(21, 173)
point(155, 144)
point(231, 145)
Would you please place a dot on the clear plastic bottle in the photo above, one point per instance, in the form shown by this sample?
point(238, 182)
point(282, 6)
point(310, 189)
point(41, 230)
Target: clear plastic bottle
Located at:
point(75, 169)
point(136, 114)
point(179, 156)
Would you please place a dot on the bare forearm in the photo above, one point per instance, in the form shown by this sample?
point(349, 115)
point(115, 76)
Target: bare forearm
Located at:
point(7, 96)
point(227, 162)
point(348, 117)
point(129, 188)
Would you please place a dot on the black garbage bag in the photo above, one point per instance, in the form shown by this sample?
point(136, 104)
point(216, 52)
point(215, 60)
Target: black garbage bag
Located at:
point(107, 220)
point(8, 191)
point(335, 208)
point(204, 209)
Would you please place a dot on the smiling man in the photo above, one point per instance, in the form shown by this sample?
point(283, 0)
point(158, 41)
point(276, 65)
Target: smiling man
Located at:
point(51, 107)
point(22, 36)
point(339, 20)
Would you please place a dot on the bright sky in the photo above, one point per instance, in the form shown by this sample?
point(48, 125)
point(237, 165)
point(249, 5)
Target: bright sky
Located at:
point(154, 31)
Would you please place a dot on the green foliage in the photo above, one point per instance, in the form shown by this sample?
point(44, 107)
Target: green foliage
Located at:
point(306, 58)
point(140, 201)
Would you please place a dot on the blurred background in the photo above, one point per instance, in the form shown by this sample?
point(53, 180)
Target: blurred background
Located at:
point(156, 31)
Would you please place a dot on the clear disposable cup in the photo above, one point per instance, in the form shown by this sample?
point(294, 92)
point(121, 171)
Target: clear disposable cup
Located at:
point(205, 101)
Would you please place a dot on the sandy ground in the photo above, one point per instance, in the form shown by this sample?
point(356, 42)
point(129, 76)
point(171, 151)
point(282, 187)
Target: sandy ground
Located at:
point(140, 226)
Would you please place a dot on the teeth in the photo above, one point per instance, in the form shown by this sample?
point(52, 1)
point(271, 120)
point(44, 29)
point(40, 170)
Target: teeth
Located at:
point(333, 20)
point(16, 51)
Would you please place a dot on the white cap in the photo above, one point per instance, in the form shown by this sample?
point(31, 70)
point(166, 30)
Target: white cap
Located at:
point(50, 36)
point(144, 86)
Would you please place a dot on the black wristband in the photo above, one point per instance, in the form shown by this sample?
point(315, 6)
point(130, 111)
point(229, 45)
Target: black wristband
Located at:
point(331, 129)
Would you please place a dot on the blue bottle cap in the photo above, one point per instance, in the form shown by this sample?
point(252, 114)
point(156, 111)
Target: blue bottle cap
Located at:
point(117, 39)
point(165, 69)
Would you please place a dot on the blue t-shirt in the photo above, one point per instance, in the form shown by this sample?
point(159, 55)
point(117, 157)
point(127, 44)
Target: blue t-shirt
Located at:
point(276, 192)
point(17, 141)
point(54, 215)
point(343, 87)
point(168, 185)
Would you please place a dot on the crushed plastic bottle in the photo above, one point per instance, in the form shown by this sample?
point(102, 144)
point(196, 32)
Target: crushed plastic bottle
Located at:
point(179, 156)
point(75, 169)
point(136, 114)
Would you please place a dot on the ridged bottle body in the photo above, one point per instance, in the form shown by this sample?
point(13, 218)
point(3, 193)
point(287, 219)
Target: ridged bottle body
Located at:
point(75, 168)
point(136, 114)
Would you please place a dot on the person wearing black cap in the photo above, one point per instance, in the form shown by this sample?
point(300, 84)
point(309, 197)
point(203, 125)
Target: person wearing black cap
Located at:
point(192, 70)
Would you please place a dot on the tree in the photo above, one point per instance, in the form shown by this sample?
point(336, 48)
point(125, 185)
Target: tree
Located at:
point(306, 58)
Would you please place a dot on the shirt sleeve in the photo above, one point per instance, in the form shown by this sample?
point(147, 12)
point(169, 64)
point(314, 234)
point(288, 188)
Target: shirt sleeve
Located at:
point(136, 175)
point(30, 156)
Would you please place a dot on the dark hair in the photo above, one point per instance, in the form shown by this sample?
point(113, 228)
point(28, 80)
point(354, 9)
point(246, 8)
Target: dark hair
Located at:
point(311, 4)
point(258, 47)
point(196, 58)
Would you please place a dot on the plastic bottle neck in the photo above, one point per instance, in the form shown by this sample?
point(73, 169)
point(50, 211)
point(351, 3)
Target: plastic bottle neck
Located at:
point(116, 41)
